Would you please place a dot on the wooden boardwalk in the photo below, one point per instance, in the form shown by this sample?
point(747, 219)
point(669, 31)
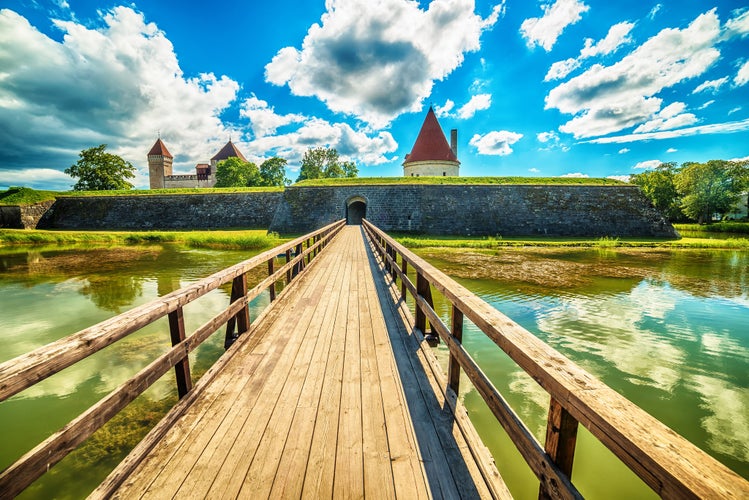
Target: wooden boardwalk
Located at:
point(327, 397)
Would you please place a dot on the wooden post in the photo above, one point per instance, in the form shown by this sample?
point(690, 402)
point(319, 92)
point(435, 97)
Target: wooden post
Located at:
point(297, 268)
point(182, 368)
point(288, 271)
point(394, 255)
point(309, 255)
point(384, 256)
point(453, 367)
point(425, 290)
point(561, 437)
point(272, 287)
point(242, 318)
point(404, 268)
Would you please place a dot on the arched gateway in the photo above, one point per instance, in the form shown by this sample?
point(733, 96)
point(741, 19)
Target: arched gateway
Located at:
point(356, 210)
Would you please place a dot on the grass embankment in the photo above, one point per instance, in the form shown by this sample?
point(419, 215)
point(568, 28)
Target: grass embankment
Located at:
point(249, 239)
point(490, 242)
point(364, 181)
point(27, 196)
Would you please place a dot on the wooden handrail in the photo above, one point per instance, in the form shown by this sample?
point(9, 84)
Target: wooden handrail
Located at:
point(29, 369)
point(665, 461)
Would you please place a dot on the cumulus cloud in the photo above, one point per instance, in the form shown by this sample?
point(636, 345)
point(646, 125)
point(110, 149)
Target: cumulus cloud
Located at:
point(534, 170)
point(497, 143)
point(714, 128)
point(544, 31)
point(263, 118)
point(477, 103)
point(742, 77)
point(711, 85)
point(647, 164)
point(623, 151)
point(376, 60)
point(441, 111)
point(37, 178)
point(622, 178)
point(118, 83)
point(576, 175)
point(545, 137)
point(617, 36)
point(670, 117)
point(608, 99)
point(671, 150)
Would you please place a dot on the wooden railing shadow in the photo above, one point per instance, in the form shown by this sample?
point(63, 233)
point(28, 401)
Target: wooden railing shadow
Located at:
point(27, 370)
point(669, 464)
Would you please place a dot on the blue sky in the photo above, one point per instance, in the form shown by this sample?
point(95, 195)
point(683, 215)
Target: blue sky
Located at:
point(535, 88)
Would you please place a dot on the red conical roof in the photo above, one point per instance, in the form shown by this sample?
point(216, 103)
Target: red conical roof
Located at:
point(228, 151)
point(431, 143)
point(159, 149)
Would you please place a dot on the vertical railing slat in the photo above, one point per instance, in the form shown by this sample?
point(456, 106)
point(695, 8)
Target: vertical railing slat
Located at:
point(182, 368)
point(453, 367)
point(561, 437)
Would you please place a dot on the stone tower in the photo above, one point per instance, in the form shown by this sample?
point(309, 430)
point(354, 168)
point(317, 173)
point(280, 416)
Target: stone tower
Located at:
point(431, 154)
point(159, 164)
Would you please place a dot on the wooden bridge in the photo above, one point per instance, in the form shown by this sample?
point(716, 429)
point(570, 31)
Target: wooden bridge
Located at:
point(334, 392)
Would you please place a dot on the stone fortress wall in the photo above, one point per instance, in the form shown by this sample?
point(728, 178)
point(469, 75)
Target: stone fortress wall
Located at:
point(470, 210)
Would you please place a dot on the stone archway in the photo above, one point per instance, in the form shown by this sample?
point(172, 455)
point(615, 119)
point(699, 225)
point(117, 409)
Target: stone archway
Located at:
point(356, 210)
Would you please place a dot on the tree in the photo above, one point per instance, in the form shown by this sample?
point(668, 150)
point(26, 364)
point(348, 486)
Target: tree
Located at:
point(709, 188)
point(234, 172)
point(98, 170)
point(658, 186)
point(273, 172)
point(319, 163)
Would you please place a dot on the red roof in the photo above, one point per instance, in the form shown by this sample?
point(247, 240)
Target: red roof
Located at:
point(228, 151)
point(159, 149)
point(431, 143)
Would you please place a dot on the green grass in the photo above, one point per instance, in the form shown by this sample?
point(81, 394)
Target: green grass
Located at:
point(28, 196)
point(254, 239)
point(715, 227)
point(25, 196)
point(361, 181)
point(490, 242)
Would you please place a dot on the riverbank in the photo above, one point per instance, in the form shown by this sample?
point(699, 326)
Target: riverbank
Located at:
point(246, 239)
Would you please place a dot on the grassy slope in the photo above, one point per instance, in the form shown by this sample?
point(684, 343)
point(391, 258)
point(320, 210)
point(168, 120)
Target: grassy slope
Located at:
point(357, 181)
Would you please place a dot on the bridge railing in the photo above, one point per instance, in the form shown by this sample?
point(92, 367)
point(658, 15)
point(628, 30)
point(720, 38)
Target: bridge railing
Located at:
point(29, 369)
point(669, 464)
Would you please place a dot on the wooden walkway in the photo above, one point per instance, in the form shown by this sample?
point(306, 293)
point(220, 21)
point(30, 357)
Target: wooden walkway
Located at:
point(327, 397)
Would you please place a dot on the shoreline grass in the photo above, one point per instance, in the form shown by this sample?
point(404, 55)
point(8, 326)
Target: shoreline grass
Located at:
point(243, 239)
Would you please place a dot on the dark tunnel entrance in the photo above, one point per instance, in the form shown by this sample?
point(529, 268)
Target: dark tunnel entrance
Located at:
point(356, 210)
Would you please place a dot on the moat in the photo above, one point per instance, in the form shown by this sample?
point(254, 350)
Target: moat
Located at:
point(664, 328)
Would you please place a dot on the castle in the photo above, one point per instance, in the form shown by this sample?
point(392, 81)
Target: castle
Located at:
point(160, 168)
point(431, 155)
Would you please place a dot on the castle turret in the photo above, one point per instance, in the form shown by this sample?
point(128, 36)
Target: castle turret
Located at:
point(229, 150)
point(159, 164)
point(431, 154)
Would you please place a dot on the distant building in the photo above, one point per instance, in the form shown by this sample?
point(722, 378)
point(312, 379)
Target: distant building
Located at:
point(431, 154)
point(160, 168)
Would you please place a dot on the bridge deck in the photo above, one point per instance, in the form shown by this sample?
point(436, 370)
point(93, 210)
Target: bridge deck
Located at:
point(326, 398)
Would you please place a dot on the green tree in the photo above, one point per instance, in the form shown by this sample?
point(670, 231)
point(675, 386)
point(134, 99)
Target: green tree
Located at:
point(319, 163)
point(709, 188)
point(234, 172)
point(97, 170)
point(273, 172)
point(658, 186)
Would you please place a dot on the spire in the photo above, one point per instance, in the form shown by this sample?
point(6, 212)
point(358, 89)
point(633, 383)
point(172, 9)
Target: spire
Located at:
point(228, 151)
point(431, 143)
point(159, 149)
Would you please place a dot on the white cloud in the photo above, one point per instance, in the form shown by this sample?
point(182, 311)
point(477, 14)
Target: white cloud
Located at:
point(734, 110)
point(715, 128)
point(707, 103)
point(561, 69)
point(608, 99)
point(739, 25)
point(534, 170)
point(742, 77)
point(38, 178)
point(622, 178)
point(263, 118)
point(711, 85)
point(671, 150)
point(118, 83)
point(655, 11)
point(668, 118)
point(547, 136)
point(441, 111)
point(623, 151)
point(495, 143)
point(576, 175)
point(746, 158)
point(545, 30)
point(647, 164)
point(478, 102)
point(376, 60)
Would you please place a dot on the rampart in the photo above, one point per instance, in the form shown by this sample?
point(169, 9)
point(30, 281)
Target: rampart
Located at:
point(480, 210)
point(173, 211)
point(471, 210)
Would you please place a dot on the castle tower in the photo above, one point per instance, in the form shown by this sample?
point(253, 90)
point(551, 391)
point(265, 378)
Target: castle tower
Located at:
point(229, 150)
point(431, 154)
point(159, 164)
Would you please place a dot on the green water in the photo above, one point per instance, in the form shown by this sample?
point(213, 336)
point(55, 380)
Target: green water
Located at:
point(667, 329)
